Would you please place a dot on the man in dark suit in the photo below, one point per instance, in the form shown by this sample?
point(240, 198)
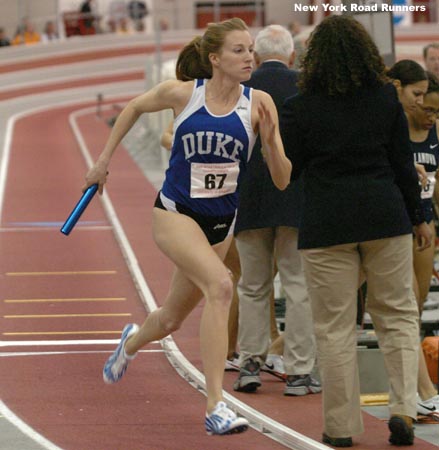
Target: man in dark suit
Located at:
point(266, 232)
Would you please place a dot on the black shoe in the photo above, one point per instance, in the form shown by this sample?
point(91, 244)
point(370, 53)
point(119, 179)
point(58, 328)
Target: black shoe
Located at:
point(249, 379)
point(401, 430)
point(337, 442)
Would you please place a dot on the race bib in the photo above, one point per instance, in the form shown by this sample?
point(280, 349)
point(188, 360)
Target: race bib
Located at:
point(213, 180)
point(428, 190)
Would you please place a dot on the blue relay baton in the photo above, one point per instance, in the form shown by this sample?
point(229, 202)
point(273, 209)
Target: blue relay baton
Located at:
point(79, 209)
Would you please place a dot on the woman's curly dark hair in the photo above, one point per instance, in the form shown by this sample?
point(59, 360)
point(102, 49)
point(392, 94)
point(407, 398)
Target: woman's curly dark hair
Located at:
point(341, 58)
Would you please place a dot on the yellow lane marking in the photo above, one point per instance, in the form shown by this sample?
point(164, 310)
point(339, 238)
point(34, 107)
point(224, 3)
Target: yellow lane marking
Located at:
point(76, 272)
point(55, 333)
point(63, 300)
point(51, 316)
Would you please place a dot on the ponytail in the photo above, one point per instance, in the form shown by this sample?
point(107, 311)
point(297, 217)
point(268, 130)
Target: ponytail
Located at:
point(189, 63)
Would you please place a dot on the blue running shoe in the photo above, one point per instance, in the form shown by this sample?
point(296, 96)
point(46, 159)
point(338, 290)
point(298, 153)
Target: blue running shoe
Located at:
point(223, 420)
point(117, 363)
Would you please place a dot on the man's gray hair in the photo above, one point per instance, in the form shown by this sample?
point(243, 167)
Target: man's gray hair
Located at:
point(428, 47)
point(274, 40)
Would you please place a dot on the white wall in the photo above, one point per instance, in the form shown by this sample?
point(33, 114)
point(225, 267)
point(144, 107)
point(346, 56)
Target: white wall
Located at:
point(180, 14)
point(12, 11)
point(102, 7)
point(276, 11)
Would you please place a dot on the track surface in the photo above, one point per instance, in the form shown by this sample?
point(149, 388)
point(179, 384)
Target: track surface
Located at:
point(66, 299)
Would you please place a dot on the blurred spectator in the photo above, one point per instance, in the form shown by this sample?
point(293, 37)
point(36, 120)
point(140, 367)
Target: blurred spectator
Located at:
point(138, 10)
point(88, 18)
point(139, 26)
point(86, 11)
point(118, 17)
point(117, 9)
point(26, 34)
point(4, 41)
point(431, 58)
point(121, 26)
point(124, 26)
point(50, 33)
point(164, 24)
point(111, 25)
point(295, 29)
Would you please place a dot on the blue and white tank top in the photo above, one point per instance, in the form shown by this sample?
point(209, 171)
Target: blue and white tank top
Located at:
point(427, 154)
point(209, 154)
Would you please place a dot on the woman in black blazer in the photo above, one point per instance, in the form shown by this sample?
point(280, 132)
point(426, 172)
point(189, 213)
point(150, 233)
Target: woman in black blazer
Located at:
point(346, 132)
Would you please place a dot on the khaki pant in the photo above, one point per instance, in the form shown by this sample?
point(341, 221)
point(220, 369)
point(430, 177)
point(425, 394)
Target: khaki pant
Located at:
point(258, 249)
point(332, 275)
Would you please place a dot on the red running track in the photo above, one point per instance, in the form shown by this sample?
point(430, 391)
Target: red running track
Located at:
point(62, 396)
point(60, 392)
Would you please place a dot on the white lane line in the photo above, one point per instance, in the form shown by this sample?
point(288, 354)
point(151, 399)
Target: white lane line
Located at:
point(109, 91)
point(125, 88)
point(63, 316)
point(62, 343)
point(38, 82)
point(26, 429)
point(70, 352)
point(143, 41)
point(63, 273)
point(79, 98)
point(264, 423)
point(4, 164)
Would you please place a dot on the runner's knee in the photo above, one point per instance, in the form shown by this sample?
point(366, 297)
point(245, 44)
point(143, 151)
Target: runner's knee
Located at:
point(168, 322)
point(221, 290)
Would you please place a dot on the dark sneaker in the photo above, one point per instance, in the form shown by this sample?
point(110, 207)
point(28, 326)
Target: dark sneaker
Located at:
point(337, 442)
point(117, 363)
point(249, 379)
point(401, 430)
point(302, 385)
point(223, 420)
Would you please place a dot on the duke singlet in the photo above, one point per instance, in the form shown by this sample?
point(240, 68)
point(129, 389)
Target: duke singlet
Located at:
point(209, 154)
point(427, 154)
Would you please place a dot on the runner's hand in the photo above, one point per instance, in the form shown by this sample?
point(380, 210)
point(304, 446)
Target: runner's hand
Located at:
point(96, 175)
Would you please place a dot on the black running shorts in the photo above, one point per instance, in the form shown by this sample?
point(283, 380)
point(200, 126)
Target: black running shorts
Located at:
point(216, 228)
